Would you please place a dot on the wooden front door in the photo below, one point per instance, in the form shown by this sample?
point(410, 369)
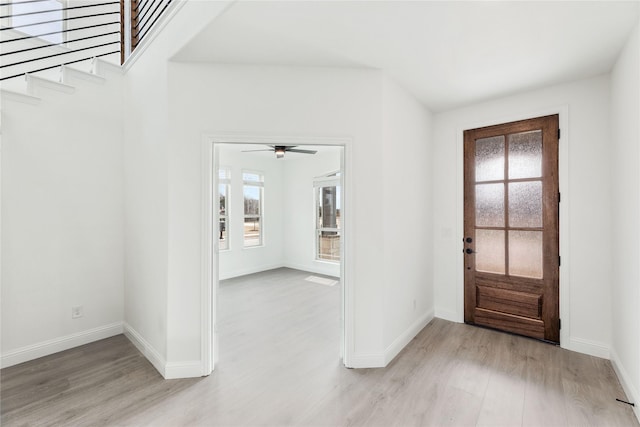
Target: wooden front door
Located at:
point(511, 227)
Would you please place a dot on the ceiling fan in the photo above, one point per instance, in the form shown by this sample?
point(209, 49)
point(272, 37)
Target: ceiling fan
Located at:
point(281, 149)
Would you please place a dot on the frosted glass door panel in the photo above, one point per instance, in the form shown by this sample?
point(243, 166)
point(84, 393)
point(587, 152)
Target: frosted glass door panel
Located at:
point(525, 254)
point(525, 155)
point(490, 251)
point(490, 205)
point(490, 159)
point(525, 204)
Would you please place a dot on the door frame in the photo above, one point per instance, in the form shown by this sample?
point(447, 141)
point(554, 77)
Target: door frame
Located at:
point(210, 258)
point(563, 182)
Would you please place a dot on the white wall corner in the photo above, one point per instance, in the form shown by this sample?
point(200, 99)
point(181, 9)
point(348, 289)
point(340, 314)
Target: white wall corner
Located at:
point(450, 315)
point(56, 345)
point(625, 381)
point(591, 348)
point(405, 338)
point(147, 350)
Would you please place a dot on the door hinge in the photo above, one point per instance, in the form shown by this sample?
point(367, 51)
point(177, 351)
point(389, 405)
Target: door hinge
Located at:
point(558, 197)
point(559, 260)
point(559, 323)
point(558, 133)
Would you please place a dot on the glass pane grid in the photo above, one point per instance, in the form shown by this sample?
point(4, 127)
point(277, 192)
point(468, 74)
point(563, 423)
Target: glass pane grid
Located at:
point(508, 199)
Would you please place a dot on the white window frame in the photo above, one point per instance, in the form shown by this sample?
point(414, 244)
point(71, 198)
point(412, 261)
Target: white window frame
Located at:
point(260, 216)
point(332, 179)
point(224, 178)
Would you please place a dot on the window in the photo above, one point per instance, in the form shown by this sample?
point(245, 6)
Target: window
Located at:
point(327, 195)
point(224, 183)
point(253, 186)
point(38, 19)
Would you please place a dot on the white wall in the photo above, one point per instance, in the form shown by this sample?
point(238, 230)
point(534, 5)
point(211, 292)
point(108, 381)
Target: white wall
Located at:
point(585, 180)
point(238, 261)
point(299, 210)
point(312, 102)
point(407, 203)
point(625, 255)
point(283, 101)
point(153, 277)
point(62, 219)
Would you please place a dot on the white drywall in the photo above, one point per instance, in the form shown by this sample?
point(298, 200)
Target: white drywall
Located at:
point(314, 102)
point(153, 283)
point(62, 218)
point(280, 101)
point(299, 210)
point(625, 198)
point(238, 260)
point(585, 178)
point(406, 202)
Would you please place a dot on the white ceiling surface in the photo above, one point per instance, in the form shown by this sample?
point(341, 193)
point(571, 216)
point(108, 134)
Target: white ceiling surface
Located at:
point(447, 53)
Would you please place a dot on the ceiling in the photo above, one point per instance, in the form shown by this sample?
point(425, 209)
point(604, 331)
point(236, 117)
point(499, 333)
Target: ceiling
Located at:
point(447, 53)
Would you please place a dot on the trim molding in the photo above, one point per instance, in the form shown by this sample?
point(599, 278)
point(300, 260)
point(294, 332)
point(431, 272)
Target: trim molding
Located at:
point(56, 345)
point(451, 316)
point(147, 350)
point(405, 338)
point(190, 369)
point(591, 348)
point(625, 381)
point(245, 271)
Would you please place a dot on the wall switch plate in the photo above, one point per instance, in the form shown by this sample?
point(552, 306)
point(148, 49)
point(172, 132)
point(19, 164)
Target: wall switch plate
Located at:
point(77, 312)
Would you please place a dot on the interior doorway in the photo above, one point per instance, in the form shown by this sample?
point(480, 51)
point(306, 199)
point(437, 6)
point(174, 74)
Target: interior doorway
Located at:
point(511, 227)
point(266, 225)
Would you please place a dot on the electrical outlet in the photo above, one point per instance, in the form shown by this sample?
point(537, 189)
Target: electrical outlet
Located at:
point(77, 312)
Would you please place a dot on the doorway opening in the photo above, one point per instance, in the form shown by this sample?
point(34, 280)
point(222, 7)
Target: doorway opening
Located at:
point(277, 239)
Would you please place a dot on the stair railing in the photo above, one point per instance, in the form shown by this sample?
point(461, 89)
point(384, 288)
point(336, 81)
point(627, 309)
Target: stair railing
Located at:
point(37, 35)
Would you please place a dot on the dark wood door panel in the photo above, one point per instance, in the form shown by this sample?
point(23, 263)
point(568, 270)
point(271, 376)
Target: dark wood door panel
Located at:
point(511, 227)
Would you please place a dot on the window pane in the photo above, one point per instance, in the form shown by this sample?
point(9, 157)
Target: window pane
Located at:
point(251, 176)
point(490, 251)
point(490, 205)
point(56, 15)
point(329, 245)
point(252, 236)
point(525, 155)
point(224, 174)
point(525, 254)
point(490, 159)
point(525, 204)
point(223, 191)
point(252, 200)
point(328, 207)
point(224, 239)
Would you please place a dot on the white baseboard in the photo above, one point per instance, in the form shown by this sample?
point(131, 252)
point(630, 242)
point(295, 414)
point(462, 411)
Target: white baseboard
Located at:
point(56, 345)
point(153, 356)
point(318, 268)
point(372, 360)
point(588, 347)
point(380, 360)
point(405, 338)
point(175, 370)
point(451, 316)
point(224, 275)
point(625, 381)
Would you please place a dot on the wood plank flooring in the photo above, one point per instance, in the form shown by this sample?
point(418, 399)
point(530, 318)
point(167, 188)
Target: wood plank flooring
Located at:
point(279, 365)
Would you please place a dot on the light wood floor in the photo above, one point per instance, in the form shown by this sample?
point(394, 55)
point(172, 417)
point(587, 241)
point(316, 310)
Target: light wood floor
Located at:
point(279, 366)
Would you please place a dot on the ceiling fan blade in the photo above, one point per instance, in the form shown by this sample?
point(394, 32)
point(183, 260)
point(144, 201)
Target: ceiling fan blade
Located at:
point(302, 151)
point(251, 151)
